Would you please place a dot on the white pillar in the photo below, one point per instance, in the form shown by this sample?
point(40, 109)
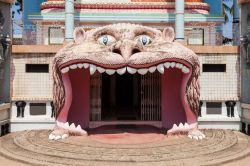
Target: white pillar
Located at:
point(27, 110)
point(69, 19)
point(224, 109)
point(48, 110)
point(179, 19)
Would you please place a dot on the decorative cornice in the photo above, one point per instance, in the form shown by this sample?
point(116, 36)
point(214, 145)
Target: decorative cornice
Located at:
point(78, 6)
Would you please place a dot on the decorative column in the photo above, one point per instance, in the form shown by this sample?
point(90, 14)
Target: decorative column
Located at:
point(69, 20)
point(179, 20)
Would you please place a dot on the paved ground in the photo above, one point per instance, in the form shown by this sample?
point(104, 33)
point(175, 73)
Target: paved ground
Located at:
point(33, 147)
point(127, 134)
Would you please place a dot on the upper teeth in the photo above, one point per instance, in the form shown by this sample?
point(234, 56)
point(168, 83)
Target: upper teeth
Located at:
point(160, 68)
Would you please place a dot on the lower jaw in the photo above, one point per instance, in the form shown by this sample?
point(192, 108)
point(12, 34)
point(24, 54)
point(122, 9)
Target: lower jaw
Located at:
point(174, 105)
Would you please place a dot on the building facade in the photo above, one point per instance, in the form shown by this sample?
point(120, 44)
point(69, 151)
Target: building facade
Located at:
point(31, 76)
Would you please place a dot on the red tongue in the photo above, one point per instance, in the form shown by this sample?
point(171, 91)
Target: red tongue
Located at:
point(173, 91)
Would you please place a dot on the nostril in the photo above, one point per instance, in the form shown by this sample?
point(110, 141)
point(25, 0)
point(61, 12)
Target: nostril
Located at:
point(135, 50)
point(117, 51)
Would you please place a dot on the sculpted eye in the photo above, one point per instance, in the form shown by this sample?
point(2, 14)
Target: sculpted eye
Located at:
point(145, 40)
point(106, 39)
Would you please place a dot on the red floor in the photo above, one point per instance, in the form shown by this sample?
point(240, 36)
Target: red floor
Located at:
point(126, 134)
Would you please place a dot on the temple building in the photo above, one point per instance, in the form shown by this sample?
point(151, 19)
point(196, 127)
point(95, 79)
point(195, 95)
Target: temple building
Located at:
point(201, 27)
point(198, 24)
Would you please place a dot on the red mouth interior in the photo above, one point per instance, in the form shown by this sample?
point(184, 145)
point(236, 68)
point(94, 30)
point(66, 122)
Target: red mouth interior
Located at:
point(173, 97)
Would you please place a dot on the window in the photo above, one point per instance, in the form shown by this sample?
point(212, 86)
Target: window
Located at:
point(214, 108)
point(56, 35)
point(37, 68)
point(37, 108)
point(196, 37)
point(214, 67)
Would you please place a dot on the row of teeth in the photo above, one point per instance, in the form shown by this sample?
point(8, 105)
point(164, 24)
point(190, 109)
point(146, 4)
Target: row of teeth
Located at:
point(71, 127)
point(161, 68)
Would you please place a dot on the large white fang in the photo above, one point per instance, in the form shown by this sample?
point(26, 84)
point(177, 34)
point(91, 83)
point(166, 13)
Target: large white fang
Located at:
point(110, 71)
point(186, 125)
point(65, 70)
point(100, 69)
point(167, 64)
point(160, 68)
point(172, 64)
point(80, 65)
point(185, 69)
point(66, 125)
point(72, 126)
point(74, 66)
point(121, 71)
point(180, 125)
point(85, 65)
point(152, 69)
point(131, 70)
point(179, 66)
point(92, 69)
point(78, 128)
point(142, 71)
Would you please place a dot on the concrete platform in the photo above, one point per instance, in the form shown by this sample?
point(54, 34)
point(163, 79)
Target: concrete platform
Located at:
point(33, 147)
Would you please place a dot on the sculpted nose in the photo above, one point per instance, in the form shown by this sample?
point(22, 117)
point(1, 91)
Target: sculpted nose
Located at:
point(126, 48)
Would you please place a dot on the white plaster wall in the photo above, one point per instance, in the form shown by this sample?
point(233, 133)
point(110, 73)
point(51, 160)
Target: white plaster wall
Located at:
point(31, 86)
point(220, 86)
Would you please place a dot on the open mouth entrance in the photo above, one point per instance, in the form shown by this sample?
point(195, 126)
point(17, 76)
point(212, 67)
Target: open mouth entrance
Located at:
point(157, 98)
point(120, 97)
point(127, 97)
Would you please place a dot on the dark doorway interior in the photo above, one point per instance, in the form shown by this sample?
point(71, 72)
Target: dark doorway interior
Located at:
point(121, 97)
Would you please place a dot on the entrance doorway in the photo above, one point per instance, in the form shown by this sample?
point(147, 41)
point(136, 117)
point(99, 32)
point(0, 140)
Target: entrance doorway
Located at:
point(125, 99)
point(120, 97)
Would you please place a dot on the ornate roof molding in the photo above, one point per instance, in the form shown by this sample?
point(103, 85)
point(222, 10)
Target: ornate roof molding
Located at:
point(170, 5)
